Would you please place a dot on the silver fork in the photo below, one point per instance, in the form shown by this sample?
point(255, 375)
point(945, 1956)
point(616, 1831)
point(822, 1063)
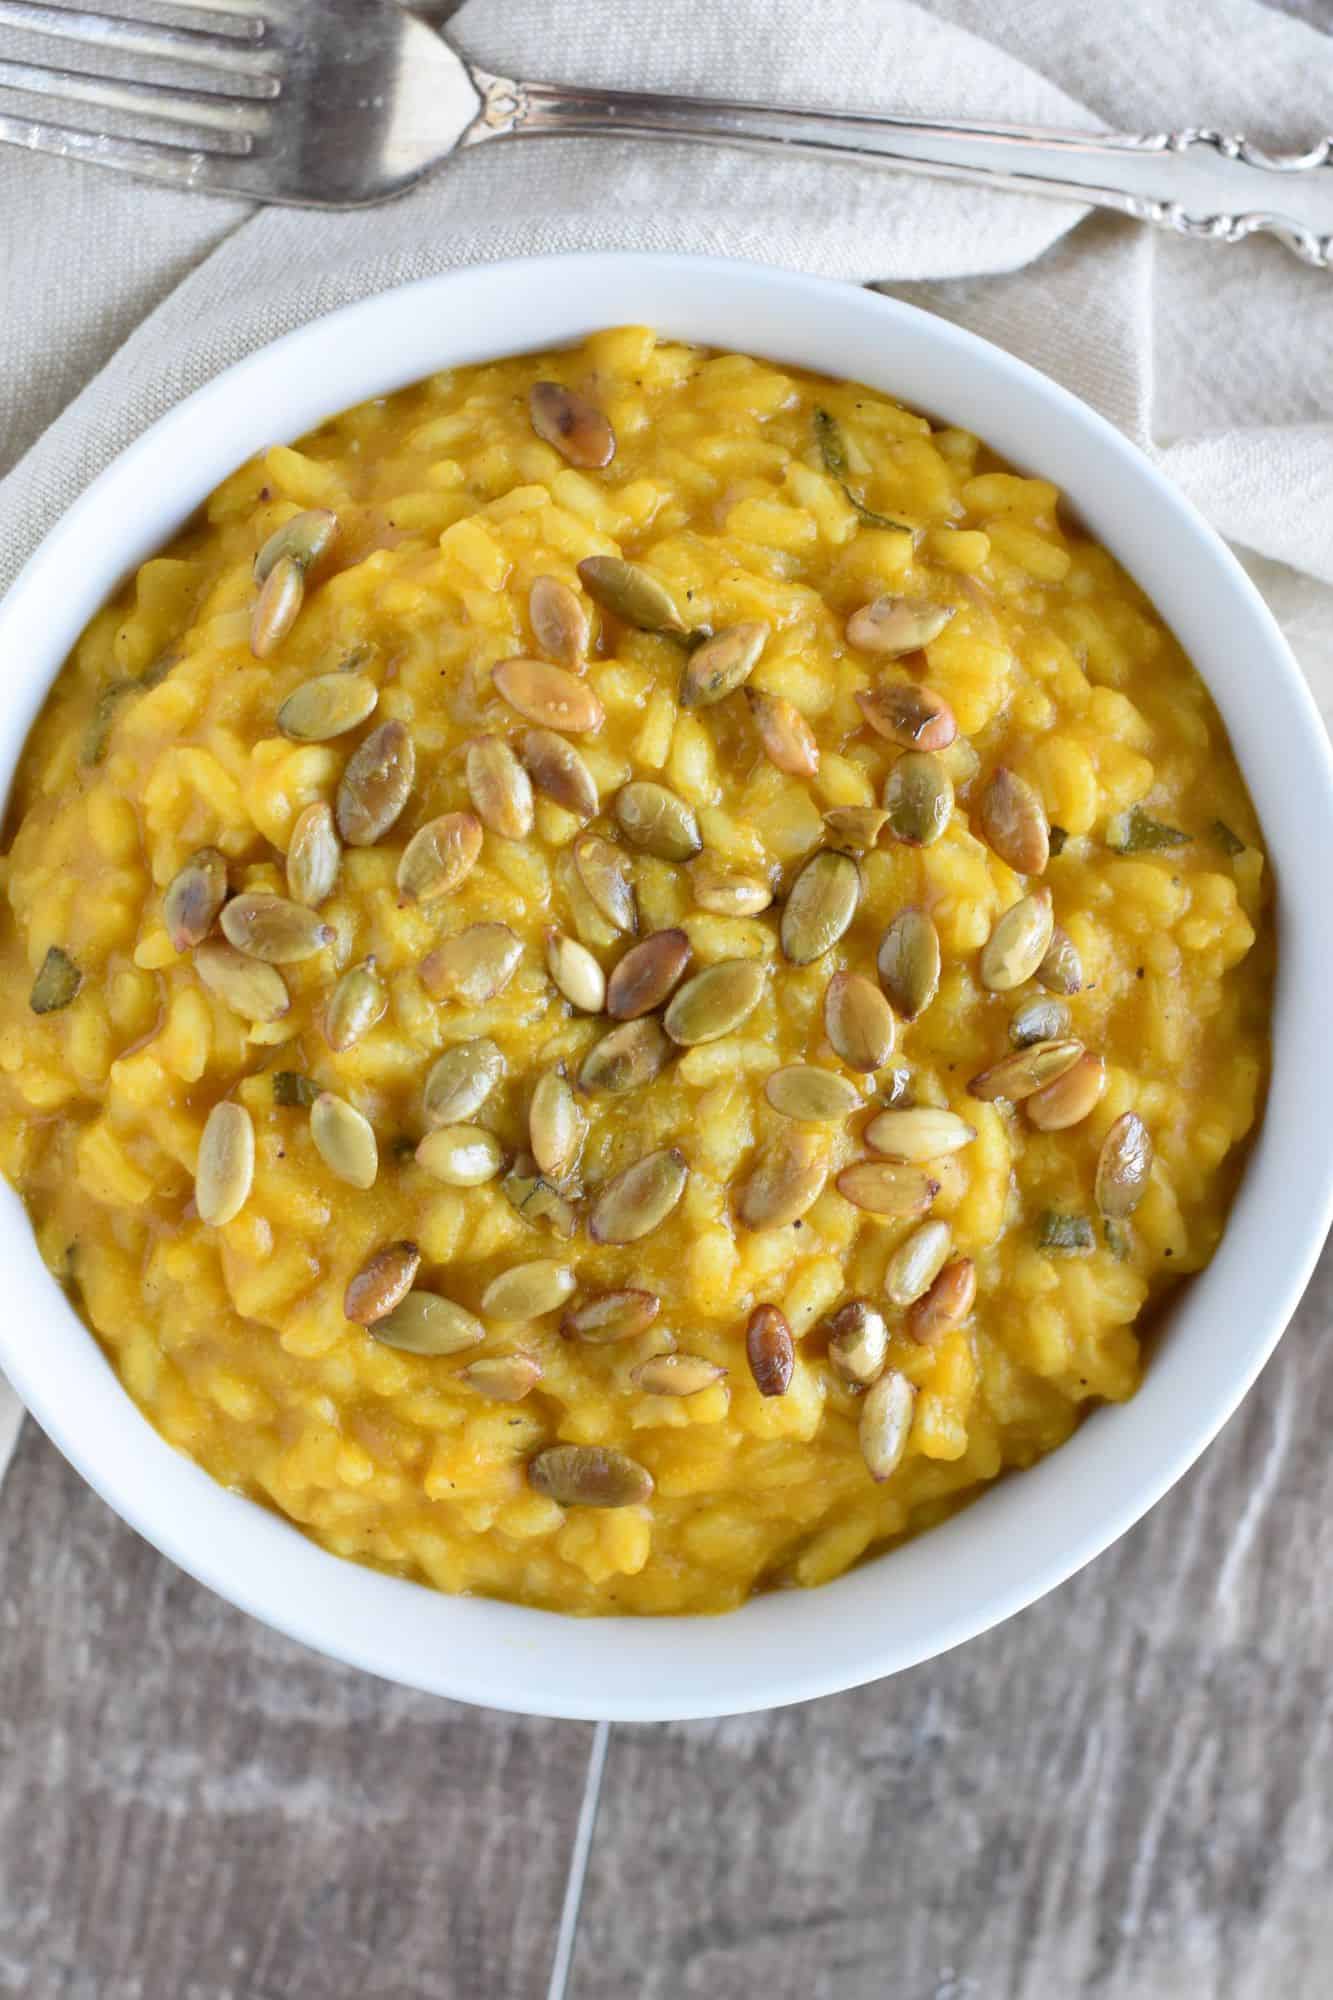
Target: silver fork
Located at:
point(341, 103)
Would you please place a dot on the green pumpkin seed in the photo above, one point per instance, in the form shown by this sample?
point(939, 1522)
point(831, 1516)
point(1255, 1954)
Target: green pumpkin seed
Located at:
point(375, 785)
point(381, 1284)
point(821, 905)
point(461, 1155)
point(575, 972)
point(194, 897)
point(1013, 823)
point(548, 696)
point(303, 540)
point(225, 1170)
point(640, 1198)
point(533, 1197)
point(559, 622)
point(1039, 1021)
point(916, 1263)
point(811, 1095)
point(1071, 1098)
point(787, 1180)
point(918, 798)
point(913, 717)
point(314, 856)
point(439, 857)
point(425, 1323)
point(787, 739)
point(1124, 1165)
point(858, 1021)
point(1018, 943)
point(919, 1134)
point(557, 1127)
point(1061, 971)
point(1071, 1234)
point(461, 1081)
point(572, 423)
point(856, 827)
point(883, 1187)
point(722, 664)
point(886, 1424)
point(557, 769)
point(630, 594)
point(474, 966)
point(528, 1291)
point(715, 1001)
point(255, 991)
point(647, 975)
point(908, 963)
point(946, 1304)
point(858, 1341)
point(611, 1316)
point(344, 1140)
point(627, 1058)
point(604, 870)
point(654, 819)
point(589, 1475)
point(327, 706)
point(503, 1378)
point(676, 1374)
point(274, 929)
point(499, 788)
point(1031, 1069)
point(725, 894)
point(277, 607)
point(1137, 832)
point(291, 1088)
point(770, 1350)
point(897, 625)
point(356, 1003)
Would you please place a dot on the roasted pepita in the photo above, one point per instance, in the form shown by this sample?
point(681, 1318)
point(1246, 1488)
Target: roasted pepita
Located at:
point(630, 593)
point(557, 1127)
point(604, 870)
point(918, 798)
point(572, 423)
point(1027, 1070)
point(908, 963)
point(647, 975)
point(345, 1140)
point(194, 897)
point(912, 716)
point(627, 1058)
point(726, 893)
point(858, 1021)
point(656, 820)
point(559, 622)
point(722, 664)
point(277, 607)
point(327, 706)
point(473, 966)
point(225, 1169)
point(1124, 1165)
point(821, 905)
point(611, 1316)
point(1070, 1099)
point(438, 857)
point(715, 1001)
point(1039, 1021)
point(676, 1374)
point(882, 1187)
point(533, 1197)
point(549, 696)
point(528, 1291)
point(896, 625)
point(274, 929)
point(575, 972)
point(788, 740)
point(304, 540)
point(382, 1283)
point(812, 1096)
point(919, 1134)
point(499, 788)
point(356, 1003)
point(1061, 971)
point(589, 1475)
point(559, 770)
point(461, 1155)
point(770, 1350)
point(503, 1378)
point(375, 786)
point(314, 856)
point(426, 1323)
point(640, 1198)
point(947, 1303)
point(858, 1341)
point(255, 991)
point(461, 1081)
point(886, 1423)
point(786, 1180)
point(1018, 943)
point(916, 1263)
point(1013, 823)
point(856, 827)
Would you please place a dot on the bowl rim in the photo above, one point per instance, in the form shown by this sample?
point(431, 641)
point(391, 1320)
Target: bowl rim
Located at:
point(1022, 1537)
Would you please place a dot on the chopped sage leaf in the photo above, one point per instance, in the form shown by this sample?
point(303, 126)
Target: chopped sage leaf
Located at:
point(1117, 1240)
point(1226, 839)
point(105, 709)
point(1063, 1232)
point(1059, 835)
point(833, 451)
point(1137, 832)
point(58, 980)
point(290, 1087)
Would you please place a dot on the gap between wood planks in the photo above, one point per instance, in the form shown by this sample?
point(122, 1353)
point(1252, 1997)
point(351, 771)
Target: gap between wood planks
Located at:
point(578, 1864)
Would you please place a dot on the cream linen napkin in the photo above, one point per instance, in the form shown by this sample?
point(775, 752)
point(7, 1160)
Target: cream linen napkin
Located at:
point(1219, 362)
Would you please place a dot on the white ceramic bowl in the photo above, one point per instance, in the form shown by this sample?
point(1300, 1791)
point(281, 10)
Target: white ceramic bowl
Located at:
point(1027, 1533)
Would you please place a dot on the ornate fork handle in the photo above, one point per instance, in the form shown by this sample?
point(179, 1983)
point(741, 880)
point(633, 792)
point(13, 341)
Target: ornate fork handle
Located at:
point(1196, 182)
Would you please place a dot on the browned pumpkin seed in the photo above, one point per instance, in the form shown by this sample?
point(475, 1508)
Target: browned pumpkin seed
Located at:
point(604, 870)
point(255, 991)
point(382, 1283)
point(787, 1179)
point(460, 1155)
point(882, 1187)
point(858, 1341)
point(439, 856)
point(947, 1303)
point(559, 622)
point(1039, 1021)
point(918, 798)
point(639, 1198)
point(919, 1134)
point(314, 856)
point(788, 740)
point(374, 787)
point(344, 1140)
point(533, 1197)
point(821, 905)
point(654, 819)
point(676, 1374)
point(896, 625)
point(916, 1263)
point(908, 963)
point(1014, 824)
point(473, 966)
point(627, 1058)
point(718, 667)
point(1123, 1167)
point(858, 1021)
point(528, 1291)
point(327, 706)
point(557, 1127)
point(647, 975)
point(1070, 1099)
point(724, 893)
point(425, 1323)
point(356, 1003)
point(770, 1350)
point(461, 1081)
point(589, 1475)
point(886, 1423)
point(715, 1001)
point(1061, 971)
point(1017, 943)
point(895, 1089)
point(499, 788)
point(548, 696)
point(194, 897)
point(277, 607)
point(575, 972)
point(857, 827)
point(274, 929)
point(630, 593)
point(913, 717)
point(611, 1316)
point(225, 1170)
point(811, 1095)
point(303, 540)
point(1027, 1070)
point(503, 1378)
point(572, 423)
point(558, 770)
